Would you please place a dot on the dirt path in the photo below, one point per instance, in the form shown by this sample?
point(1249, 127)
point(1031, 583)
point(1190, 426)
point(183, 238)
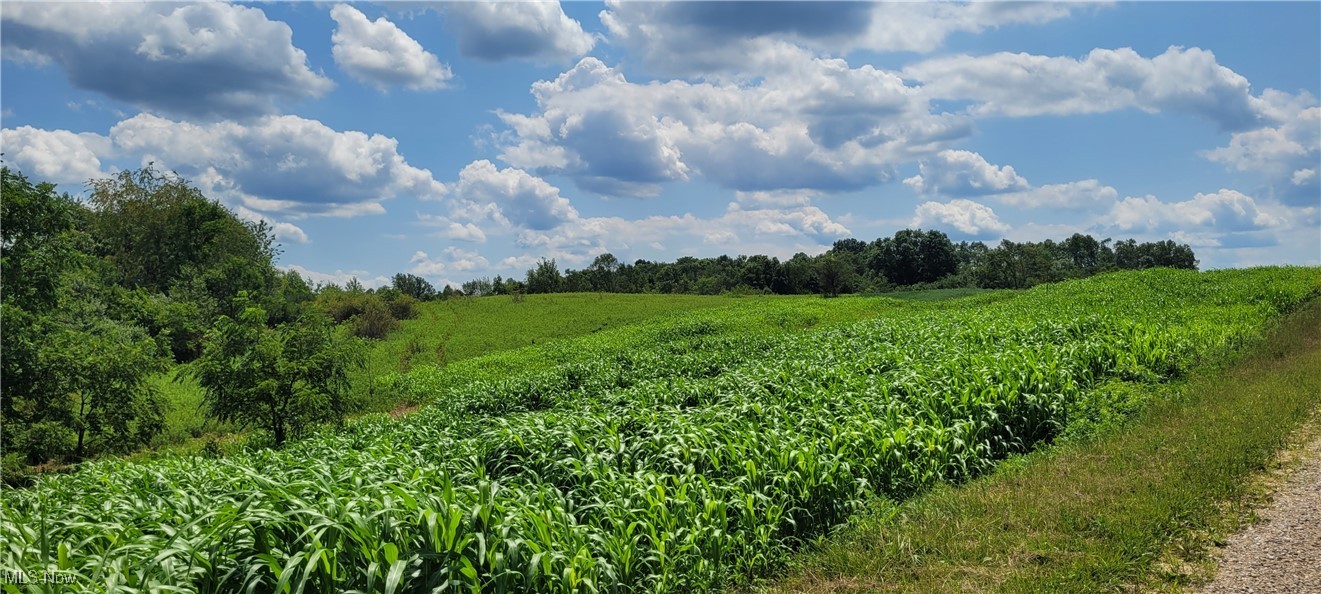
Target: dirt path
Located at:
point(1281, 553)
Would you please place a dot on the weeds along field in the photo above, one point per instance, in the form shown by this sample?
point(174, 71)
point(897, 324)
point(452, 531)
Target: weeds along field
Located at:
point(678, 455)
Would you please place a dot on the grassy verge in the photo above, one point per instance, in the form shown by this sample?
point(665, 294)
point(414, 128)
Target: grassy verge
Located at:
point(1128, 508)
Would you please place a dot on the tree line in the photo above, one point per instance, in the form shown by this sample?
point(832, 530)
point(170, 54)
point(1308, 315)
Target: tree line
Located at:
point(910, 259)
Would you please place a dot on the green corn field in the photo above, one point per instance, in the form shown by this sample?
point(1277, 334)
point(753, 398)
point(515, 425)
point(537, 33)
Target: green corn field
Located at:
point(680, 455)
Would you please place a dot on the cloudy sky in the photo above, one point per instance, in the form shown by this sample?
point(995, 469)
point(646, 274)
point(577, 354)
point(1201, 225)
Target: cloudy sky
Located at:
point(459, 140)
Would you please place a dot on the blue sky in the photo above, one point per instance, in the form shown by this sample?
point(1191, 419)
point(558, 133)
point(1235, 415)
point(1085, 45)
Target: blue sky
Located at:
point(460, 140)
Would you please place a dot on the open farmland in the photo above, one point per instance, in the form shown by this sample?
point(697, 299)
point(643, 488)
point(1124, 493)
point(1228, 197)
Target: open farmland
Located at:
point(443, 333)
point(682, 454)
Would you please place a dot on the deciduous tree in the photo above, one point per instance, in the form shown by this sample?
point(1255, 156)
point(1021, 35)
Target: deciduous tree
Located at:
point(281, 379)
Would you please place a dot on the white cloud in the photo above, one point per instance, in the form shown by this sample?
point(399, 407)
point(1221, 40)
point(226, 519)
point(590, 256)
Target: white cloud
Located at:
point(464, 260)
point(971, 219)
point(967, 174)
point(1303, 177)
point(211, 59)
point(964, 173)
point(809, 124)
point(1287, 155)
point(1224, 211)
point(519, 199)
point(425, 266)
point(771, 230)
point(1088, 193)
point(454, 260)
point(451, 229)
point(688, 38)
point(1018, 85)
point(496, 31)
point(806, 221)
point(283, 231)
point(57, 156)
point(281, 163)
point(380, 54)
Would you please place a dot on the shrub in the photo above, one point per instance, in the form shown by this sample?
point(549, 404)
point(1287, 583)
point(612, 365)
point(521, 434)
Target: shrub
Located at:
point(403, 307)
point(374, 321)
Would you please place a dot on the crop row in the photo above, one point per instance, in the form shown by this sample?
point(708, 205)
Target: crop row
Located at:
point(675, 456)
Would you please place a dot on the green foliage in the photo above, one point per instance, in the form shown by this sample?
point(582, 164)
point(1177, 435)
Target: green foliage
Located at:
point(368, 314)
point(403, 307)
point(678, 455)
point(414, 286)
point(281, 379)
point(34, 227)
point(294, 298)
point(156, 228)
point(1143, 505)
point(544, 278)
point(913, 257)
point(74, 369)
point(832, 275)
point(103, 367)
point(1014, 266)
point(910, 260)
point(375, 319)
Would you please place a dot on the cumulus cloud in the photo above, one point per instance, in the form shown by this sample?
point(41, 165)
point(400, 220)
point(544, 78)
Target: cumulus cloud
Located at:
point(773, 230)
point(1016, 85)
point(1225, 211)
point(964, 173)
point(806, 221)
point(496, 31)
point(512, 202)
point(380, 54)
point(280, 163)
point(809, 124)
point(450, 229)
point(424, 265)
point(1088, 193)
point(967, 174)
point(688, 38)
point(1287, 155)
point(966, 217)
point(519, 199)
point(464, 260)
point(58, 156)
point(284, 231)
point(211, 59)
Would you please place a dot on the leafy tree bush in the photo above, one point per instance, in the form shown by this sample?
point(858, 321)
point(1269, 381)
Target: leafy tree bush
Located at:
point(74, 363)
point(544, 278)
point(280, 379)
point(402, 307)
point(832, 275)
point(156, 228)
point(102, 367)
point(414, 286)
point(375, 320)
